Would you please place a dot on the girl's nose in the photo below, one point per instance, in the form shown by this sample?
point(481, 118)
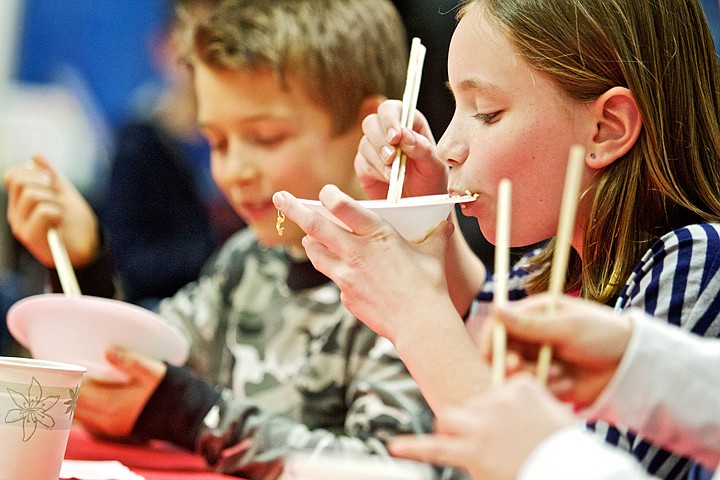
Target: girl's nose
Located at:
point(451, 148)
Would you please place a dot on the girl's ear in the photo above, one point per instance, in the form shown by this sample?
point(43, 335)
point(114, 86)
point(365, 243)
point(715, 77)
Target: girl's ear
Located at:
point(619, 124)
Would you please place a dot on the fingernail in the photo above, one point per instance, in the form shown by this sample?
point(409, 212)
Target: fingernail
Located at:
point(387, 152)
point(409, 139)
point(391, 134)
point(278, 199)
point(330, 197)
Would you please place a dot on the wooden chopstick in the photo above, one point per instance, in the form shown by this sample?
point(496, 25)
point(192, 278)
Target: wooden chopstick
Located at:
point(502, 268)
point(407, 117)
point(62, 263)
point(558, 269)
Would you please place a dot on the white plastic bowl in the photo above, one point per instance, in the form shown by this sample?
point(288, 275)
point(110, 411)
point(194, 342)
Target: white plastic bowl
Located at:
point(79, 330)
point(413, 217)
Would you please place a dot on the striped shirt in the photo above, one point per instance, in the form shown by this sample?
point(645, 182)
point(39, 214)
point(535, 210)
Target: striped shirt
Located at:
point(676, 281)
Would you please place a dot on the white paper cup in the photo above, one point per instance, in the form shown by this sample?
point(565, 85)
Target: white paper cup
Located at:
point(37, 404)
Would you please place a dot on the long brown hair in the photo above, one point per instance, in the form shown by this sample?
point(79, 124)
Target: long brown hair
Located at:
point(663, 52)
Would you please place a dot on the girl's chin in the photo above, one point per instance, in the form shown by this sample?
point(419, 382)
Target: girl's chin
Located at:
point(473, 209)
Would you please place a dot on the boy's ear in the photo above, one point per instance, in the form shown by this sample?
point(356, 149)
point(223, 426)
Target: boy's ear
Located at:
point(370, 105)
point(619, 124)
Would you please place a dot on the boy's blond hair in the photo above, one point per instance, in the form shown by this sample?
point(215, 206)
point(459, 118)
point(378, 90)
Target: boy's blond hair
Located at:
point(340, 51)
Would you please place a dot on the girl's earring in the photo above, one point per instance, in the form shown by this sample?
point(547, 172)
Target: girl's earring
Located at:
point(592, 155)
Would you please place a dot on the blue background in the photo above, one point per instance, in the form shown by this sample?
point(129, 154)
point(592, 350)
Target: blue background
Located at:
point(102, 46)
point(96, 46)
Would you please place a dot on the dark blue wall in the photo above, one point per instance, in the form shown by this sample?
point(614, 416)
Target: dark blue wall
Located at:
point(712, 11)
point(102, 44)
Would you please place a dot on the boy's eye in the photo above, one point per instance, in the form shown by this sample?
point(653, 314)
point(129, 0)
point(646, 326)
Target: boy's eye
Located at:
point(269, 140)
point(217, 145)
point(215, 141)
point(486, 117)
point(267, 137)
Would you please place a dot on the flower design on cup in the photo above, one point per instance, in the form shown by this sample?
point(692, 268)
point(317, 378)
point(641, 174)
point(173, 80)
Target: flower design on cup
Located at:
point(72, 402)
point(32, 409)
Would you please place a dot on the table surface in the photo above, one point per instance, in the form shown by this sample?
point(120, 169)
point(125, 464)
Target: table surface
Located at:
point(153, 460)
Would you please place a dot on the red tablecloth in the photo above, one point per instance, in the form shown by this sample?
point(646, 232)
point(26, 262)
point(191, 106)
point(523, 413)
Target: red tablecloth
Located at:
point(154, 461)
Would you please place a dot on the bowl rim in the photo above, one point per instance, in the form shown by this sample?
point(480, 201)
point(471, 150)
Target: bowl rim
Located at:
point(437, 199)
point(21, 363)
point(17, 322)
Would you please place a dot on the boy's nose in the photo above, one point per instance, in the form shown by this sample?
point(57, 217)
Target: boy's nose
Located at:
point(240, 168)
point(245, 173)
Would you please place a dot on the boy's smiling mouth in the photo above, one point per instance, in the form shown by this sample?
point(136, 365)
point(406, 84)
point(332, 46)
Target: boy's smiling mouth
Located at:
point(254, 211)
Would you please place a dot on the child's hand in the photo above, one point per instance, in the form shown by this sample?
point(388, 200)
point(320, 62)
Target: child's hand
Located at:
point(40, 198)
point(491, 435)
point(425, 172)
point(381, 274)
point(112, 409)
point(588, 341)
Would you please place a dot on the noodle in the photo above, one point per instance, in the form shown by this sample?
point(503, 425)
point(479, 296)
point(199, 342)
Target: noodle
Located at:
point(278, 225)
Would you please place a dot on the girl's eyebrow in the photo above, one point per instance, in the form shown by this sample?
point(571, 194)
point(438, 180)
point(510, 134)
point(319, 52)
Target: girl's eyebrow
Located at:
point(480, 86)
point(474, 85)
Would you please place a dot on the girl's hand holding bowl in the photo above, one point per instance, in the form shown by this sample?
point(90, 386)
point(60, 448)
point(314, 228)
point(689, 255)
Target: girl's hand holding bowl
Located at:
point(380, 273)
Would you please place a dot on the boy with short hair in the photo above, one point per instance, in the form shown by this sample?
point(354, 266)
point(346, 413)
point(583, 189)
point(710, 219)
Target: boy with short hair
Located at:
point(282, 88)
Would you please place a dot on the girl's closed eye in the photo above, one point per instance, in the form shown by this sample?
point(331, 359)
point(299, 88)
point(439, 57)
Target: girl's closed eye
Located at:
point(487, 117)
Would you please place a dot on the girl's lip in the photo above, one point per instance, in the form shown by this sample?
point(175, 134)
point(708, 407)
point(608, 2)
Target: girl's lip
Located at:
point(457, 192)
point(469, 208)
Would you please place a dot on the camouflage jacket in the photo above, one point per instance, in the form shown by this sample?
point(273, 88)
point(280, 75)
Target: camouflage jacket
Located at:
point(294, 369)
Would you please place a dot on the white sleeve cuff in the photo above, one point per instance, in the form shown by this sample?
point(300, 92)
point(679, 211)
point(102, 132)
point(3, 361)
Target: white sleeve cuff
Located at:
point(571, 454)
point(666, 388)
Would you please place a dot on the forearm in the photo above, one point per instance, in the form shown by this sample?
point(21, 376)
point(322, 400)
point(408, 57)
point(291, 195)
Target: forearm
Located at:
point(667, 388)
point(443, 358)
point(176, 409)
point(464, 270)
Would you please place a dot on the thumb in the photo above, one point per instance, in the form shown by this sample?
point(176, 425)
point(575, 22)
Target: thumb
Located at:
point(42, 163)
point(136, 366)
point(437, 239)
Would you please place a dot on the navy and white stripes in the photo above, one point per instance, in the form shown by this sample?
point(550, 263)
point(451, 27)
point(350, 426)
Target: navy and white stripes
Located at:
point(676, 281)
